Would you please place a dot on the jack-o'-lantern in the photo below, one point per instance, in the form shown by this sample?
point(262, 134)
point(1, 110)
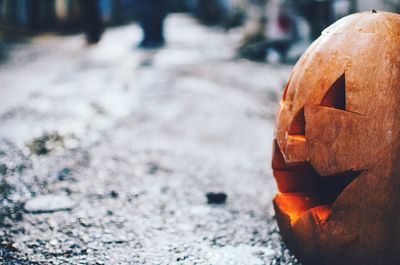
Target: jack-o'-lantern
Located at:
point(336, 153)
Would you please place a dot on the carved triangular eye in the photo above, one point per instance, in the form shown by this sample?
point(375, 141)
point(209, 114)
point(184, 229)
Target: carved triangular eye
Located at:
point(298, 125)
point(336, 95)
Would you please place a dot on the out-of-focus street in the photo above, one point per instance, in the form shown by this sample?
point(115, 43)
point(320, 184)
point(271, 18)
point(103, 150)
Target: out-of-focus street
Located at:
point(128, 142)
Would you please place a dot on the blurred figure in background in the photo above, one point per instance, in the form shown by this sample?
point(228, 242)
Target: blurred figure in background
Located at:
point(282, 29)
point(270, 29)
point(151, 15)
point(318, 13)
point(209, 11)
point(92, 21)
point(253, 43)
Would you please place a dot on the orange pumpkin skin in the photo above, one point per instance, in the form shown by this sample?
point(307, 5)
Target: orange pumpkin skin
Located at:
point(336, 153)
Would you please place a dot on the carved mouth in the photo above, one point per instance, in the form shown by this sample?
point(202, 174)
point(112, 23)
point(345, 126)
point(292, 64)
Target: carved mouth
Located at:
point(301, 188)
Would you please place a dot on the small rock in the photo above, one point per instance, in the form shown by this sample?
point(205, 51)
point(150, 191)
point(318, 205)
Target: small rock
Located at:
point(216, 198)
point(46, 143)
point(153, 168)
point(64, 174)
point(3, 169)
point(114, 194)
point(53, 242)
point(49, 203)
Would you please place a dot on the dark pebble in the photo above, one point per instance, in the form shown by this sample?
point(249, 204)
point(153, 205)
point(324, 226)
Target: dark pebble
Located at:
point(153, 168)
point(64, 174)
point(3, 169)
point(216, 198)
point(114, 194)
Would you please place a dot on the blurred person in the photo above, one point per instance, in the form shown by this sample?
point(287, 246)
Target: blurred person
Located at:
point(92, 20)
point(151, 15)
point(209, 11)
point(282, 29)
point(271, 28)
point(318, 13)
point(253, 43)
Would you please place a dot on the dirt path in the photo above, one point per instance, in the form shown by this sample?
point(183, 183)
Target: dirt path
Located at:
point(128, 143)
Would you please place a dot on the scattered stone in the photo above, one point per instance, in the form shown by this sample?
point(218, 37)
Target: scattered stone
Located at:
point(84, 222)
point(64, 174)
point(114, 194)
point(164, 189)
point(5, 188)
point(146, 62)
point(100, 110)
point(49, 203)
point(153, 168)
point(8, 246)
point(216, 198)
point(53, 242)
point(3, 169)
point(46, 143)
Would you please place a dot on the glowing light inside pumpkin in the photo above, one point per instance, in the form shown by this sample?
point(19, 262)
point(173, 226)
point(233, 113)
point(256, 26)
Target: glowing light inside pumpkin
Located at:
point(302, 189)
point(295, 138)
point(296, 204)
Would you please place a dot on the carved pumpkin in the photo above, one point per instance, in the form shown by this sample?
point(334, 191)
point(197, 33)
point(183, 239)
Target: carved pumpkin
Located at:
point(337, 146)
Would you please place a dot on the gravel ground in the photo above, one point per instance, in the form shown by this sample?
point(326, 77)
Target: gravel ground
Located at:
point(107, 153)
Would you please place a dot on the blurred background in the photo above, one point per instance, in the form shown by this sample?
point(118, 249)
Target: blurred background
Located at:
point(140, 131)
point(269, 25)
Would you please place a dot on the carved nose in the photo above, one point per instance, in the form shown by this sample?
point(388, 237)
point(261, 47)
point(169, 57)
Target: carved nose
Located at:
point(295, 149)
point(294, 145)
